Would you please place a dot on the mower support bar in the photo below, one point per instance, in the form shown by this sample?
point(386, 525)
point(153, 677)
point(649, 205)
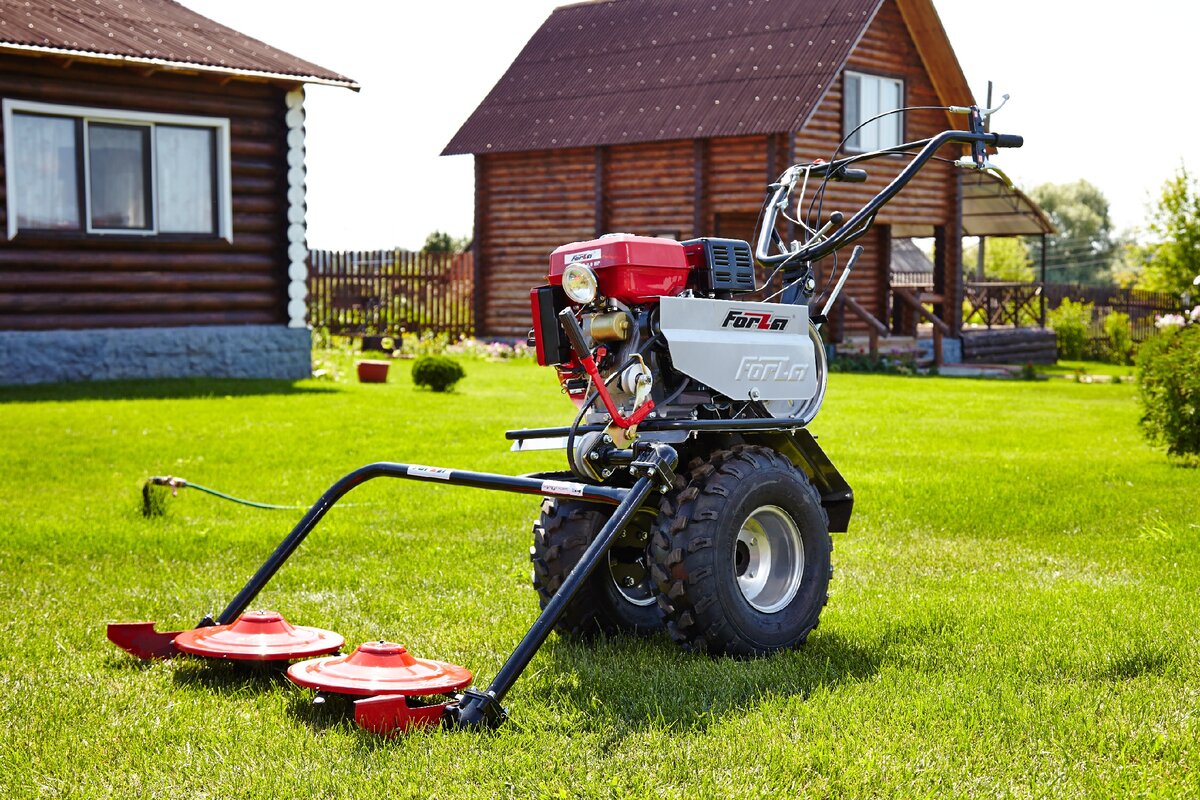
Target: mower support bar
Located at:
point(386, 469)
point(482, 709)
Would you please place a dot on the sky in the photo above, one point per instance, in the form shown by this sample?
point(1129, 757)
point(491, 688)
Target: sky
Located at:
point(1097, 95)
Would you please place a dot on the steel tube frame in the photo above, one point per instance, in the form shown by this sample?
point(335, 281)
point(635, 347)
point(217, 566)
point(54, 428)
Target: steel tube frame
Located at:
point(476, 708)
point(653, 425)
point(387, 469)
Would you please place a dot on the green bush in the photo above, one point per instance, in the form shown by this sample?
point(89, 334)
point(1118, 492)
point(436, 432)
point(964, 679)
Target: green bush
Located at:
point(1118, 346)
point(1070, 322)
point(1168, 375)
point(437, 372)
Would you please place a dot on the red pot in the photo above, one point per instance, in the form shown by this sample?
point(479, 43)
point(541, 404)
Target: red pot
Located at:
point(372, 371)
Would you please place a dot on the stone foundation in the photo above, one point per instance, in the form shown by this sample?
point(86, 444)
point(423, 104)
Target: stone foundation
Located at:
point(218, 351)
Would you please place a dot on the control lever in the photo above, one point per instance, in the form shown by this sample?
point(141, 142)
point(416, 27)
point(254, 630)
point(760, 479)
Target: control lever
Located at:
point(833, 296)
point(835, 220)
point(986, 166)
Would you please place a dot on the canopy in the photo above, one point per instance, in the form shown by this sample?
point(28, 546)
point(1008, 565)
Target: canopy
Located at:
point(992, 208)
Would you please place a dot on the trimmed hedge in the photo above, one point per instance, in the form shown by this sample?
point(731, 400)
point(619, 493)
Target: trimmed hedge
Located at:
point(1168, 373)
point(437, 372)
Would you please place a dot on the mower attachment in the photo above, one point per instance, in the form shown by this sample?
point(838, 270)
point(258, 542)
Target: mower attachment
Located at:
point(390, 714)
point(365, 672)
point(141, 640)
point(258, 636)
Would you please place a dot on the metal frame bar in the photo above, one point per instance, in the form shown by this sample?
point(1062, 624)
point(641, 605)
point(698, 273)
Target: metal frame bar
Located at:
point(652, 465)
point(385, 469)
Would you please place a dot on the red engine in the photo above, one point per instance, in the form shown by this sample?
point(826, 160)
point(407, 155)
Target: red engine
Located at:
point(630, 269)
point(613, 285)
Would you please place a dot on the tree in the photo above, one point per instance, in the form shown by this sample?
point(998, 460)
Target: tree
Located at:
point(1170, 260)
point(1005, 258)
point(441, 242)
point(1083, 250)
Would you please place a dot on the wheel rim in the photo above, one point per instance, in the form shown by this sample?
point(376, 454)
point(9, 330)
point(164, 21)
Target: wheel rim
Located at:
point(768, 559)
point(627, 566)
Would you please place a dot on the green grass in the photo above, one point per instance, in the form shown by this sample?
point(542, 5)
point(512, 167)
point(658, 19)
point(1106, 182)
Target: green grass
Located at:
point(1013, 611)
point(1070, 369)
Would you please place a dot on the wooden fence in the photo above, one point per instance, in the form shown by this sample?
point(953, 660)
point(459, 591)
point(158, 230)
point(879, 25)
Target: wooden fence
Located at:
point(1020, 304)
point(386, 292)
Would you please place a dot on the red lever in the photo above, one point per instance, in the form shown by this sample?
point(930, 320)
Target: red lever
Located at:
point(575, 335)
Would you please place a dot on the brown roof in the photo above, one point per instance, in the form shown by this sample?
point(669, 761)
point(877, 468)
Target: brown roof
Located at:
point(159, 32)
point(621, 71)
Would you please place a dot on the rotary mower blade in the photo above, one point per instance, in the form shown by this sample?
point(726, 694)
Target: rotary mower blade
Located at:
point(258, 636)
point(141, 640)
point(389, 677)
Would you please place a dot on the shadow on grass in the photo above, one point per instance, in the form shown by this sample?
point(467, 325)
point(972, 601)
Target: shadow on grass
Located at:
point(640, 682)
point(172, 389)
point(336, 712)
point(229, 677)
point(1143, 661)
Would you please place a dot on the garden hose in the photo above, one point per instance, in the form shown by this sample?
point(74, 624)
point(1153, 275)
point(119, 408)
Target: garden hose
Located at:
point(154, 496)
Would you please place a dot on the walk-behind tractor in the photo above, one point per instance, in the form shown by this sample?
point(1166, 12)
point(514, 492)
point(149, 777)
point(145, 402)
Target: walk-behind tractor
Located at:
point(695, 499)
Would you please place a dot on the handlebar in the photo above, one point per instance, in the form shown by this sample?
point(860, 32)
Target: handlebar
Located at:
point(846, 231)
point(1009, 140)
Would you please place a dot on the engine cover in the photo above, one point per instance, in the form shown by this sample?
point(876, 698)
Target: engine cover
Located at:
point(760, 351)
point(632, 269)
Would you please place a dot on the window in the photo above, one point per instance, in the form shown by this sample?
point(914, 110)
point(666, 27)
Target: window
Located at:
point(866, 96)
point(97, 171)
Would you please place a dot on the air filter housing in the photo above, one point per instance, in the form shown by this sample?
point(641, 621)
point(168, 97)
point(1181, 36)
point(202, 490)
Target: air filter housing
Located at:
point(722, 265)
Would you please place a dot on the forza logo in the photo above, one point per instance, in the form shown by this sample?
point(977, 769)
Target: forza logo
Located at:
point(770, 368)
point(582, 256)
point(754, 319)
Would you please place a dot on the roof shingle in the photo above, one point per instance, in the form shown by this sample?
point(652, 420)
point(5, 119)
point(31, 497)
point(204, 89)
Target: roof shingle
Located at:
point(148, 31)
point(621, 71)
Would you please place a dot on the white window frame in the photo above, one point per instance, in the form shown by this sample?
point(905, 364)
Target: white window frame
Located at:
point(220, 125)
point(846, 127)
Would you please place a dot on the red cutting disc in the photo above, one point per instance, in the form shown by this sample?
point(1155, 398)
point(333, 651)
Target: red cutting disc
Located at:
point(258, 636)
point(379, 668)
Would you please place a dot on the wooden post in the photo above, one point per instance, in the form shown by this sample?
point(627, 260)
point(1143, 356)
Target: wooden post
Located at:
point(1042, 293)
point(478, 294)
point(941, 263)
point(951, 311)
point(883, 240)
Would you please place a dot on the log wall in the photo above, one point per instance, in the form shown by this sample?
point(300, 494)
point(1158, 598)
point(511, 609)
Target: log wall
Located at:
point(78, 281)
point(532, 203)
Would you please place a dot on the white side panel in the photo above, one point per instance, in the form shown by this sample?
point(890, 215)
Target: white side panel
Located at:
point(743, 350)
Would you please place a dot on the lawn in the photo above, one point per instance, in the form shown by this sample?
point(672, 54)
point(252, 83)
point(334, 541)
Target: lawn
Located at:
point(1013, 611)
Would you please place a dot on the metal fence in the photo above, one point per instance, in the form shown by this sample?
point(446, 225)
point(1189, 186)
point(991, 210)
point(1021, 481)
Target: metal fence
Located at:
point(386, 292)
point(1021, 304)
point(1143, 307)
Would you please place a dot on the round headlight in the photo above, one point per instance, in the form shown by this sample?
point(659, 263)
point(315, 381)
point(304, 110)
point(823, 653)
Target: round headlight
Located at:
point(580, 284)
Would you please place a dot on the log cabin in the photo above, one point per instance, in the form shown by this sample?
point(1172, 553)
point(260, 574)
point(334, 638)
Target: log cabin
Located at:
point(670, 117)
point(152, 207)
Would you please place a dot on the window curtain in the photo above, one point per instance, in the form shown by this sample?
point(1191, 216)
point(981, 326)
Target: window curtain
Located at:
point(119, 158)
point(186, 178)
point(47, 187)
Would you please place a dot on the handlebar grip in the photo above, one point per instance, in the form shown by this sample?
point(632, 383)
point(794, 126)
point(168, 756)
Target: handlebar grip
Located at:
point(574, 333)
point(1008, 140)
point(848, 175)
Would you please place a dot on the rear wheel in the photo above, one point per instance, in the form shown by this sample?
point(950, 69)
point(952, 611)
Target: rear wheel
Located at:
point(741, 555)
point(619, 596)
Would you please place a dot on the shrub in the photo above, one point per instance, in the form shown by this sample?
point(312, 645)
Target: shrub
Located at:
point(1119, 345)
point(1168, 375)
point(437, 372)
point(1070, 322)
